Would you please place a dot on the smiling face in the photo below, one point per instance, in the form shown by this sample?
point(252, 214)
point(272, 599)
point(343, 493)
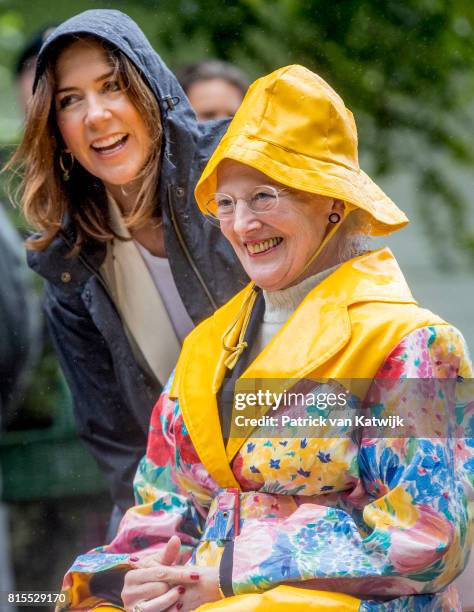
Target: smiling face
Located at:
point(98, 122)
point(273, 247)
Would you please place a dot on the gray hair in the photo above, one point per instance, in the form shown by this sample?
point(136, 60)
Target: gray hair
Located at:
point(355, 239)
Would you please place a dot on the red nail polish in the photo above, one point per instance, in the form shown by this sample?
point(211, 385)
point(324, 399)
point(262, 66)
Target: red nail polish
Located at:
point(179, 605)
point(133, 558)
point(194, 576)
point(181, 590)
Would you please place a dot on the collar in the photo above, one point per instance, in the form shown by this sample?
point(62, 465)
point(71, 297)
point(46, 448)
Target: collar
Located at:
point(317, 330)
point(320, 326)
point(279, 305)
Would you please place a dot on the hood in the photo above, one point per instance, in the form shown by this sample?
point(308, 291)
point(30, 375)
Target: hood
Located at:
point(178, 118)
point(293, 127)
point(205, 269)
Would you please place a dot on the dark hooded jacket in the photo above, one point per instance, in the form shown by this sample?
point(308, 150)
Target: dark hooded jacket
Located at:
point(113, 395)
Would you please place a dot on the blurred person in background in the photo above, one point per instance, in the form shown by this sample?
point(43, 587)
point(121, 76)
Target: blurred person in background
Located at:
point(20, 314)
point(25, 66)
point(110, 156)
point(215, 89)
point(20, 346)
point(20, 321)
point(19, 299)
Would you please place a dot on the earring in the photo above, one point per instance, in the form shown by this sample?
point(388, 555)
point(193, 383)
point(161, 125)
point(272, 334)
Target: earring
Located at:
point(64, 168)
point(334, 217)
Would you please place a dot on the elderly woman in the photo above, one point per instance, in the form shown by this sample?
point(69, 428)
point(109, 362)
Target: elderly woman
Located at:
point(352, 522)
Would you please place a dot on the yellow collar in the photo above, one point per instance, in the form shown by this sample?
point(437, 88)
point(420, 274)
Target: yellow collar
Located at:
point(317, 330)
point(320, 326)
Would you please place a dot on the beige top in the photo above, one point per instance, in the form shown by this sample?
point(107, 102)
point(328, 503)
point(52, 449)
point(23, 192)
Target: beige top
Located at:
point(160, 271)
point(146, 321)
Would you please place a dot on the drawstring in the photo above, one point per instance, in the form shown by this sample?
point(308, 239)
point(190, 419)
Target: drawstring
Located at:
point(247, 306)
point(237, 350)
point(348, 208)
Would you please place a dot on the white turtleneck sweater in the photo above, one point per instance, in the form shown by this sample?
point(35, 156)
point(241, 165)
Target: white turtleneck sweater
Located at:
point(280, 305)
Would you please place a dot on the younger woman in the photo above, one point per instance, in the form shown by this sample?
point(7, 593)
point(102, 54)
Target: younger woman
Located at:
point(110, 155)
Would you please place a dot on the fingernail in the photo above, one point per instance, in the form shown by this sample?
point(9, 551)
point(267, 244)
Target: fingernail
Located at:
point(181, 590)
point(194, 576)
point(179, 605)
point(133, 558)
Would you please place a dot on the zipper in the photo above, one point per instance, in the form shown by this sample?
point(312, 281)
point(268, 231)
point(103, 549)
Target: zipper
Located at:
point(187, 253)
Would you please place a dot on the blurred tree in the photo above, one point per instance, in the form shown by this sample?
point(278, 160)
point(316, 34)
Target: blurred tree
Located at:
point(406, 69)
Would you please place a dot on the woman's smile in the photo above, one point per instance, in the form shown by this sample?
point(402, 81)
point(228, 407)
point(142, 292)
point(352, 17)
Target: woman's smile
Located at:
point(259, 248)
point(110, 145)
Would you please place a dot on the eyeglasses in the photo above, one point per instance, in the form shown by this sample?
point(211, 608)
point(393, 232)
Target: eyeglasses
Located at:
point(263, 199)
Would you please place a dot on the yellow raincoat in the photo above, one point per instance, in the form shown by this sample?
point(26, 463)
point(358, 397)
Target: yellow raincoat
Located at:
point(341, 523)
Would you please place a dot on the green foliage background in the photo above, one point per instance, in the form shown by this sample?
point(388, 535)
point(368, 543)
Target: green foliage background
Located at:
point(405, 68)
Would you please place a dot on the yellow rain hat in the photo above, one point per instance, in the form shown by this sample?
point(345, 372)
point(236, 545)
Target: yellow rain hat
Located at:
point(293, 127)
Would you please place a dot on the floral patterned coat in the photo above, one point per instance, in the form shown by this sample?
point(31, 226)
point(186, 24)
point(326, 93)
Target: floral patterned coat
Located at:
point(386, 521)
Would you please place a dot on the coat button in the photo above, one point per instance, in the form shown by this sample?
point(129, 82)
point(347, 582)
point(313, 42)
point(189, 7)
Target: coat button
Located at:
point(66, 277)
point(179, 192)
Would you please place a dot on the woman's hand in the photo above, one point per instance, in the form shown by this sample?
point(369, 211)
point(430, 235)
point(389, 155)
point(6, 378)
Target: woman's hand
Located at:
point(189, 588)
point(141, 585)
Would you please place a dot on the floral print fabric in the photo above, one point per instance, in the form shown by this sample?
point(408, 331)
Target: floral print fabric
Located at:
point(389, 520)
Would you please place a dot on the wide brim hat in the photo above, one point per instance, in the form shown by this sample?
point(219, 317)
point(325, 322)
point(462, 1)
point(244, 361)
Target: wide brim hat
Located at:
point(293, 127)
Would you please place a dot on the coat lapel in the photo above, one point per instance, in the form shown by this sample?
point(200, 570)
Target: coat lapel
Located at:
point(315, 333)
point(198, 378)
point(320, 326)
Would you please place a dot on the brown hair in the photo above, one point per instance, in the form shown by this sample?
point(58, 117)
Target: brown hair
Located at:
point(45, 197)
